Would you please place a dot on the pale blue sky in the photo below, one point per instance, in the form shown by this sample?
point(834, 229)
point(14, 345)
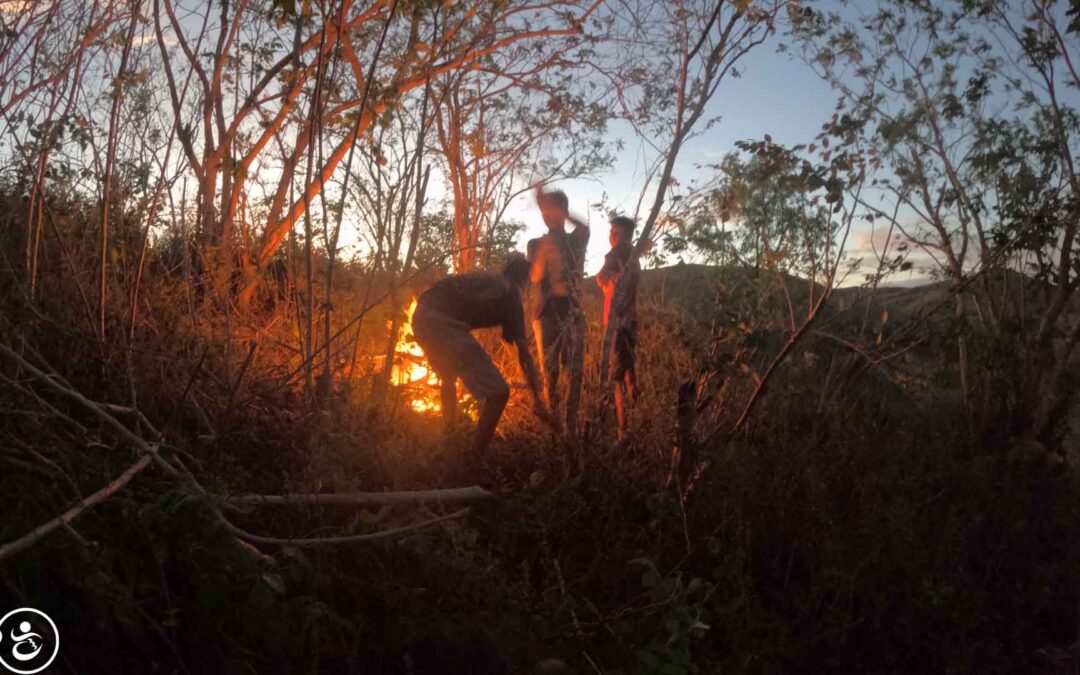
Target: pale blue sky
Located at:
point(776, 94)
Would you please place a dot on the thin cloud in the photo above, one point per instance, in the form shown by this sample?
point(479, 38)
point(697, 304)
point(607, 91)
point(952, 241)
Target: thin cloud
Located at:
point(151, 38)
point(873, 241)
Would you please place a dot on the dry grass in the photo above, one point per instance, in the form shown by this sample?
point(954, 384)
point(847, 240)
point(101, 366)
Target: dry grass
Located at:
point(855, 527)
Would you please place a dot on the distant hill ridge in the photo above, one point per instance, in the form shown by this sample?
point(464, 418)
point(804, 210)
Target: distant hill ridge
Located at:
point(689, 285)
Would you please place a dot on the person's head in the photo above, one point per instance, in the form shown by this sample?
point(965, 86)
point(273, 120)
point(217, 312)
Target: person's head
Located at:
point(622, 230)
point(516, 271)
point(553, 206)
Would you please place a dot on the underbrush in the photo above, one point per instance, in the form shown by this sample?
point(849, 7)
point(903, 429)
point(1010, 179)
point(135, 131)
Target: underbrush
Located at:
point(855, 525)
point(857, 538)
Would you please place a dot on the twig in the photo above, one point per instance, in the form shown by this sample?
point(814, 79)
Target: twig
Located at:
point(592, 663)
point(128, 410)
point(466, 494)
point(777, 360)
point(150, 453)
point(562, 591)
point(26, 466)
point(148, 448)
point(29, 539)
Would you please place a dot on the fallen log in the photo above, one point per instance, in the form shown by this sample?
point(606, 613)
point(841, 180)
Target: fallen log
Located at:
point(345, 539)
point(450, 495)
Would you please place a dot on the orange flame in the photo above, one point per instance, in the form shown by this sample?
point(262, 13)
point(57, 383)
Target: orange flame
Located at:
point(411, 369)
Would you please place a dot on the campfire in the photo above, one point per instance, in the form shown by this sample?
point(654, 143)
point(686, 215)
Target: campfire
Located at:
point(411, 371)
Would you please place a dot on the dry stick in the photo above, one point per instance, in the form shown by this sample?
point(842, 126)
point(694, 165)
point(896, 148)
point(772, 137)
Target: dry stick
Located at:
point(240, 376)
point(49, 408)
point(314, 131)
point(26, 466)
point(151, 453)
point(155, 203)
point(811, 318)
point(759, 389)
point(32, 537)
point(592, 663)
point(110, 158)
point(147, 448)
point(37, 196)
point(345, 183)
point(466, 494)
point(316, 541)
point(869, 358)
point(363, 312)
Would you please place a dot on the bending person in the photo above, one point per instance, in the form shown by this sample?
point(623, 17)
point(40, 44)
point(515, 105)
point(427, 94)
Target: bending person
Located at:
point(445, 316)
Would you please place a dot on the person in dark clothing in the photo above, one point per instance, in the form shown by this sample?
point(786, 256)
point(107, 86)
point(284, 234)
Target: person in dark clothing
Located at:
point(558, 264)
point(445, 316)
point(620, 308)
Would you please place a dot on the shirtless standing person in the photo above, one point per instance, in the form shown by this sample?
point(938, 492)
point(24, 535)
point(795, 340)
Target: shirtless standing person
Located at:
point(445, 316)
point(558, 265)
point(620, 263)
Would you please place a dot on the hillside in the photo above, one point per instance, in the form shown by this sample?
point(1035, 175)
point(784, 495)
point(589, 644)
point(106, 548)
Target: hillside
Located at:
point(696, 288)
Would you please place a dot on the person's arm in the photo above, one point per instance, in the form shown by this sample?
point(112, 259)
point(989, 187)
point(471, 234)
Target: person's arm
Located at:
point(536, 276)
point(622, 304)
point(528, 366)
point(609, 273)
point(514, 332)
point(532, 377)
point(578, 226)
point(538, 258)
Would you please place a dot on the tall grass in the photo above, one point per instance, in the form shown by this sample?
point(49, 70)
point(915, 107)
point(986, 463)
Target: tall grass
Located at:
point(857, 525)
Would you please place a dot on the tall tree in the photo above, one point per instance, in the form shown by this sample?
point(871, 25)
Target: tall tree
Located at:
point(963, 105)
point(433, 46)
point(760, 213)
point(519, 118)
point(701, 42)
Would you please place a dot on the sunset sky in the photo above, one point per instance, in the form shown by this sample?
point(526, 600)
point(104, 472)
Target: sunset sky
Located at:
point(776, 94)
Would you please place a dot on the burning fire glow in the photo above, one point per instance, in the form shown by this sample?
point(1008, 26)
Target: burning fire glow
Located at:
point(411, 370)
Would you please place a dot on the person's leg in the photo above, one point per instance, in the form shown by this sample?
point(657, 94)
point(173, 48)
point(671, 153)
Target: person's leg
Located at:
point(620, 411)
point(448, 401)
point(491, 409)
point(624, 378)
point(435, 333)
point(575, 351)
point(541, 352)
point(551, 329)
point(630, 362)
point(486, 384)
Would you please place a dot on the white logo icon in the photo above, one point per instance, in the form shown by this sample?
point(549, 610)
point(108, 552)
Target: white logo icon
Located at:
point(29, 641)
